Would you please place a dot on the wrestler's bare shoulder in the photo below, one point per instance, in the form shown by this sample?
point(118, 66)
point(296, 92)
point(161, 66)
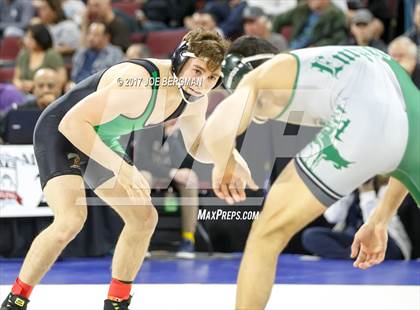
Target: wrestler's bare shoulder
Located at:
point(129, 69)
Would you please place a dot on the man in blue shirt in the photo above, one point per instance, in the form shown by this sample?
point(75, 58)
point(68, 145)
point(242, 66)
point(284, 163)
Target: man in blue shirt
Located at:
point(99, 53)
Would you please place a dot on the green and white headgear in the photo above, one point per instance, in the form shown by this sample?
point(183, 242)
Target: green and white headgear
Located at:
point(235, 66)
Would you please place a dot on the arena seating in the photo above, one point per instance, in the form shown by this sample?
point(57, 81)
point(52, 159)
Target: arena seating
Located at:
point(6, 74)
point(9, 48)
point(163, 43)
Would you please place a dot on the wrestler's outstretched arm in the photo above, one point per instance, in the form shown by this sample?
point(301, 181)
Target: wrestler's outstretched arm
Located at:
point(369, 245)
point(191, 125)
point(230, 118)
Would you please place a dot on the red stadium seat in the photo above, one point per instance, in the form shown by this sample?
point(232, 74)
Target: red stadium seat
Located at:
point(6, 74)
point(163, 43)
point(127, 7)
point(137, 37)
point(9, 47)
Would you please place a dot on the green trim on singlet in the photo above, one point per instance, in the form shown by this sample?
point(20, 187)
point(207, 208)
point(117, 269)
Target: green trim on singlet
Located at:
point(294, 87)
point(408, 171)
point(111, 131)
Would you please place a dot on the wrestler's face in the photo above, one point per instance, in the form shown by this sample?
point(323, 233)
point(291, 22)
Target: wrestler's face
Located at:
point(195, 69)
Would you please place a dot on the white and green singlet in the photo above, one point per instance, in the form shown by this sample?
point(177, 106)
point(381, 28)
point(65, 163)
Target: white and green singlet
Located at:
point(369, 111)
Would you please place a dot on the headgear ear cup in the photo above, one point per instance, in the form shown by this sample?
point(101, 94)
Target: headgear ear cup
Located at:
point(235, 66)
point(233, 71)
point(179, 57)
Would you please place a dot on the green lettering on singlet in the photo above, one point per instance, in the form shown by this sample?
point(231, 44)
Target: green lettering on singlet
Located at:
point(354, 53)
point(323, 65)
point(338, 57)
point(337, 62)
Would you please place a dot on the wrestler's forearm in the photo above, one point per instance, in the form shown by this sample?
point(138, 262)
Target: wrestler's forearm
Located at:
point(200, 153)
point(389, 205)
point(83, 136)
point(219, 146)
point(230, 119)
point(219, 133)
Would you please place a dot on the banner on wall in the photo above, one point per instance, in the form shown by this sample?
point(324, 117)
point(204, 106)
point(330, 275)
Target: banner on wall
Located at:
point(20, 189)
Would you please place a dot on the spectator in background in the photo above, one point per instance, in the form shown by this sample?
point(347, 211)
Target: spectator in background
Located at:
point(137, 51)
point(74, 10)
point(227, 15)
point(314, 23)
point(380, 10)
point(336, 243)
point(274, 7)
point(219, 9)
point(97, 55)
point(231, 27)
point(10, 96)
point(36, 54)
point(101, 11)
point(166, 13)
point(206, 19)
point(15, 16)
point(414, 32)
point(159, 153)
point(247, 46)
point(65, 33)
point(403, 50)
point(144, 24)
point(47, 88)
point(257, 24)
point(179, 10)
point(363, 31)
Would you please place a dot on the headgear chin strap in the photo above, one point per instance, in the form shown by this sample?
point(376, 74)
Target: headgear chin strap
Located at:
point(184, 94)
point(235, 66)
point(179, 59)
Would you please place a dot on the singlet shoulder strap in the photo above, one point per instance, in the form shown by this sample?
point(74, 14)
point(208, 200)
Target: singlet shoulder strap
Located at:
point(153, 70)
point(147, 64)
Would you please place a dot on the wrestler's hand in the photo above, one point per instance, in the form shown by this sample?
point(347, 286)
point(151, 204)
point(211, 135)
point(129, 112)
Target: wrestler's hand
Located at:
point(369, 245)
point(133, 182)
point(230, 183)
